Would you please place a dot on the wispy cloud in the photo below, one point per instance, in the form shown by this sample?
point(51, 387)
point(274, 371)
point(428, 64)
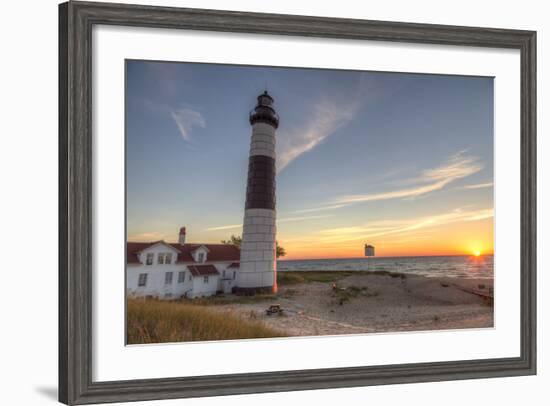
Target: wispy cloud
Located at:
point(324, 119)
point(401, 227)
point(148, 236)
point(228, 227)
point(457, 167)
point(186, 119)
point(479, 185)
point(315, 209)
point(303, 218)
point(281, 220)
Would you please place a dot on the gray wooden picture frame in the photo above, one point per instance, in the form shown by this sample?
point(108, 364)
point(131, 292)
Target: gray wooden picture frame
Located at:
point(76, 20)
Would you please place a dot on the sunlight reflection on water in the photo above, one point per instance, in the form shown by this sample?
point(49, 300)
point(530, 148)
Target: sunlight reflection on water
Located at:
point(449, 266)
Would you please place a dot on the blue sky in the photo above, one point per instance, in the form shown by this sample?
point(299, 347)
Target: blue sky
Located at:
point(390, 158)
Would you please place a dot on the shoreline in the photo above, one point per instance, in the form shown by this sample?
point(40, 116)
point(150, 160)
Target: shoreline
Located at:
point(382, 272)
point(384, 257)
point(370, 302)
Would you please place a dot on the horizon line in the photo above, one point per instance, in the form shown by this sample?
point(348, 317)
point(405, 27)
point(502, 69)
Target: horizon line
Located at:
point(384, 256)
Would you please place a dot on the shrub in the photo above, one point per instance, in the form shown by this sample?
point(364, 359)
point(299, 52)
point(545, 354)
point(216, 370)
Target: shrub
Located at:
point(230, 299)
point(295, 277)
point(289, 278)
point(397, 275)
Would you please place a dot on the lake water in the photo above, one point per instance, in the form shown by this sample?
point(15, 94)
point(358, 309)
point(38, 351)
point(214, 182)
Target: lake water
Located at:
point(462, 266)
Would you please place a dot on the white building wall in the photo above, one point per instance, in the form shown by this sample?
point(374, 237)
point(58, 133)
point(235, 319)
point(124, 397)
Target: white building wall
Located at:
point(227, 280)
point(156, 274)
point(201, 288)
point(156, 285)
point(221, 267)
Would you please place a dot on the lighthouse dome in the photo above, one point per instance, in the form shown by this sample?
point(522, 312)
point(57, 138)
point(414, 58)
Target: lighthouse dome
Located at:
point(264, 111)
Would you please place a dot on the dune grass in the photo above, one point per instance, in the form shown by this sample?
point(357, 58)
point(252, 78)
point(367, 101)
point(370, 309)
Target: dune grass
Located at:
point(230, 299)
point(289, 278)
point(152, 321)
point(346, 294)
point(296, 277)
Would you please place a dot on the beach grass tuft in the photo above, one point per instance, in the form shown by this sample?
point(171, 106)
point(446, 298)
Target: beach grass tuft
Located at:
point(289, 278)
point(229, 299)
point(154, 321)
point(297, 277)
point(344, 295)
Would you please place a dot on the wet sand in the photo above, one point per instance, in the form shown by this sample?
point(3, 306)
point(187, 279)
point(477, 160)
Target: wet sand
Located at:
point(370, 303)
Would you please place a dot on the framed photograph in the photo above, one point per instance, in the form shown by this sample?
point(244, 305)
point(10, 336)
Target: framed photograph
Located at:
point(259, 203)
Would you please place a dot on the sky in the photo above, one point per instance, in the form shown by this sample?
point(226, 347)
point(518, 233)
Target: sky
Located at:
point(397, 160)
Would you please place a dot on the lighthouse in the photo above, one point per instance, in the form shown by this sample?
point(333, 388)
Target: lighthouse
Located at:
point(258, 265)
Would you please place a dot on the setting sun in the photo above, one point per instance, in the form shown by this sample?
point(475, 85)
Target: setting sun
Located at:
point(477, 253)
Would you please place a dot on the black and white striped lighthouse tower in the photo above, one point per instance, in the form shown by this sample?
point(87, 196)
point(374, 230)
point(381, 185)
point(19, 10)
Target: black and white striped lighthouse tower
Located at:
point(258, 265)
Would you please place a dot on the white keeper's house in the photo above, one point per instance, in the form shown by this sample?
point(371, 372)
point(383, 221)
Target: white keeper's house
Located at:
point(173, 270)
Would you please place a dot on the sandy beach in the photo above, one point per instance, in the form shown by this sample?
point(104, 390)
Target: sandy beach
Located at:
point(373, 302)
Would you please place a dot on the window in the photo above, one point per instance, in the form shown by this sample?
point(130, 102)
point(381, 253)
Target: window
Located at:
point(160, 259)
point(223, 273)
point(142, 280)
point(201, 256)
point(206, 279)
point(149, 260)
point(190, 277)
point(168, 258)
point(234, 274)
point(181, 277)
point(168, 278)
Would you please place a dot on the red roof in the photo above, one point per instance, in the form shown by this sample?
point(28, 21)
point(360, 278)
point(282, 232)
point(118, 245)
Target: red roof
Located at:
point(216, 252)
point(202, 270)
point(234, 265)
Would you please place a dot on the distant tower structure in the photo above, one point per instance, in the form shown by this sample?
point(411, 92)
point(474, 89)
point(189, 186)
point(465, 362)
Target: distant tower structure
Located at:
point(369, 250)
point(258, 265)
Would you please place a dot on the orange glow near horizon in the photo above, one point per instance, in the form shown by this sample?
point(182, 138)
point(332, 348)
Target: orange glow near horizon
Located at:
point(456, 232)
point(461, 238)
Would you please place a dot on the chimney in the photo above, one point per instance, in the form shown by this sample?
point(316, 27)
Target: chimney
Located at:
point(181, 238)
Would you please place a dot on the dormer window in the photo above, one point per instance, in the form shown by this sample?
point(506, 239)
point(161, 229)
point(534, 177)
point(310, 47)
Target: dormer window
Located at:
point(200, 254)
point(164, 258)
point(166, 254)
